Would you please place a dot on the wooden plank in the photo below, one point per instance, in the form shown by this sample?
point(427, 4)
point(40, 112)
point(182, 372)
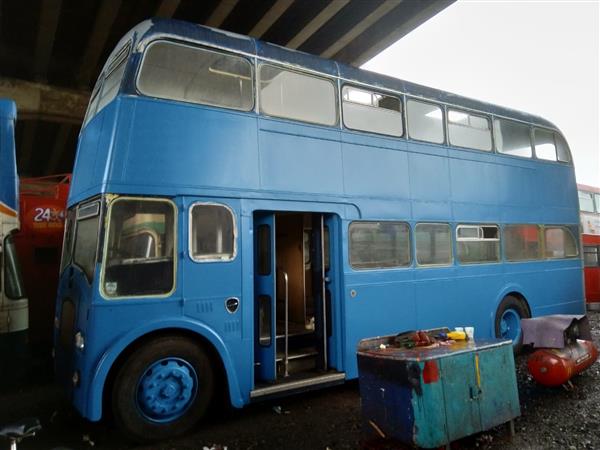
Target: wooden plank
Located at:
point(45, 37)
point(59, 148)
point(167, 8)
point(360, 27)
point(270, 17)
point(220, 13)
point(315, 24)
point(104, 20)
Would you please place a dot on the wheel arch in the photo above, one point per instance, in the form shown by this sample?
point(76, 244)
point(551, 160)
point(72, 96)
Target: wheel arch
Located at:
point(106, 369)
point(513, 290)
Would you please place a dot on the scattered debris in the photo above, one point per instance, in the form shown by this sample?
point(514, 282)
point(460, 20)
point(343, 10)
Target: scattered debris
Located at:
point(87, 440)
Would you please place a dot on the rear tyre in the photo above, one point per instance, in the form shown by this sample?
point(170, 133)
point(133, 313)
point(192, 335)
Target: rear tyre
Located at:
point(508, 320)
point(163, 389)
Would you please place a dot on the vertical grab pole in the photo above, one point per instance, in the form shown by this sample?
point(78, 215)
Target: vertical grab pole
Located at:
point(286, 335)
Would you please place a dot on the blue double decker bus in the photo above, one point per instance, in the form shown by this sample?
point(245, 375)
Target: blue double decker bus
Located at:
point(14, 306)
point(242, 214)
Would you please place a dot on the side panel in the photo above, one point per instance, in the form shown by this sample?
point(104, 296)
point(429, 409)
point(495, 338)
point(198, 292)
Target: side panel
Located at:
point(499, 400)
point(461, 391)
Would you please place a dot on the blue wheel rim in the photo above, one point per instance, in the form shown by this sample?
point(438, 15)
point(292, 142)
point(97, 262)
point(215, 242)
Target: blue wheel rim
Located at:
point(510, 325)
point(166, 390)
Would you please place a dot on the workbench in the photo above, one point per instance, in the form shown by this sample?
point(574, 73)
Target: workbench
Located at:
point(429, 397)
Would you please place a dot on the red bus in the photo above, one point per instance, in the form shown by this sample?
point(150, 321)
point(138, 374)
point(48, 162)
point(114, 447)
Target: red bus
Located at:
point(589, 206)
point(42, 204)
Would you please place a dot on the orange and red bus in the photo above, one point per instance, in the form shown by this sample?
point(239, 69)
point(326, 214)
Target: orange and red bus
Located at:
point(589, 206)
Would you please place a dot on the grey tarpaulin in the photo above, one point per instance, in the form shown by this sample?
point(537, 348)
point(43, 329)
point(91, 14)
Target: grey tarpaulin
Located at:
point(555, 331)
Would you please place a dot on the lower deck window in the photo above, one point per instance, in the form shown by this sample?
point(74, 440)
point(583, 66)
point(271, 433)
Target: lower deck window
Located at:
point(13, 283)
point(140, 248)
point(377, 245)
point(590, 255)
point(559, 242)
point(477, 243)
point(434, 244)
point(213, 233)
point(522, 242)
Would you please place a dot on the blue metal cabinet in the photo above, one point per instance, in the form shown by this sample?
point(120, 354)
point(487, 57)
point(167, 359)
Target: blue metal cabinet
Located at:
point(431, 396)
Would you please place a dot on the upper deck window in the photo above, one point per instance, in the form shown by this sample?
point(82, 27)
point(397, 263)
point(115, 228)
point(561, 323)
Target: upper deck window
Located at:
point(196, 75)
point(544, 144)
point(297, 96)
point(586, 201)
point(371, 111)
point(425, 121)
point(113, 77)
point(469, 130)
point(512, 138)
point(562, 149)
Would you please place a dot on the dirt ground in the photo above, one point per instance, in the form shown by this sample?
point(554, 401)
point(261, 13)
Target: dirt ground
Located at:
point(328, 419)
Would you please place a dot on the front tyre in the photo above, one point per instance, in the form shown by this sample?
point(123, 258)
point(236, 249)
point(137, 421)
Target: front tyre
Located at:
point(163, 389)
point(508, 320)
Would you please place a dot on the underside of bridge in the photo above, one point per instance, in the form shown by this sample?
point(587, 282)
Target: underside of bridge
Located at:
point(51, 51)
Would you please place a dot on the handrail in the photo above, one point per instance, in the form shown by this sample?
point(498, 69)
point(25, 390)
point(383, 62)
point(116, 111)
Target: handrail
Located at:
point(286, 328)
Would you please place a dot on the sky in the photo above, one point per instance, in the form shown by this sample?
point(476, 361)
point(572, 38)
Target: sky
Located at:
point(541, 57)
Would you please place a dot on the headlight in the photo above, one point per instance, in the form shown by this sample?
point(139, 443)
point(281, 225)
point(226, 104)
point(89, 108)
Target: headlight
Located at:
point(79, 341)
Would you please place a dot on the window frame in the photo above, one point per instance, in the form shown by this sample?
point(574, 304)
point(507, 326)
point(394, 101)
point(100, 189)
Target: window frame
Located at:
point(97, 212)
point(482, 115)
point(518, 122)
point(446, 264)
point(479, 226)
point(535, 129)
point(588, 249)
point(441, 106)
point(575, 242)
point(370, 90)
point(209, 49)
point(190, 233)
point(276, 64)
point(540, 239)
point(105, 234)
point(374, 221)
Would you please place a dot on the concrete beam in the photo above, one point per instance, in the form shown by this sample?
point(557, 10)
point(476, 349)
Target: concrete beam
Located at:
point(360, 27)
point(167, 8)
point(270, 18)
point(314, 25)
point(41, 101)
point(105, 18)
point(220, 13)
point(45, 37)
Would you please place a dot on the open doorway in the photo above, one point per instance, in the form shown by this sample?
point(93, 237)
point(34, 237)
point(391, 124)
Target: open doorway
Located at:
point(292, 298)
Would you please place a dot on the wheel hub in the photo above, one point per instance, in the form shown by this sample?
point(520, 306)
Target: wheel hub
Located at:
point(166, 389)
point(510, 324)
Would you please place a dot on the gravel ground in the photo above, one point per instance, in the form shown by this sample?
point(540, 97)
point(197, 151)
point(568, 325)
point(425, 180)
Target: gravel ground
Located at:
point(329, 419)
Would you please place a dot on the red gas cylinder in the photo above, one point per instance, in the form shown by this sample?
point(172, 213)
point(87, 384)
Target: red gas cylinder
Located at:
point(556, 366)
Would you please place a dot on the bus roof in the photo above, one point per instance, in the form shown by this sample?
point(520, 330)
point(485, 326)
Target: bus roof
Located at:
point(152, 29)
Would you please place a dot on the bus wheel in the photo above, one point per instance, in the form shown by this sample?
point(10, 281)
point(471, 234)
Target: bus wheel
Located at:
point(163, 389)
point(508, 320)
